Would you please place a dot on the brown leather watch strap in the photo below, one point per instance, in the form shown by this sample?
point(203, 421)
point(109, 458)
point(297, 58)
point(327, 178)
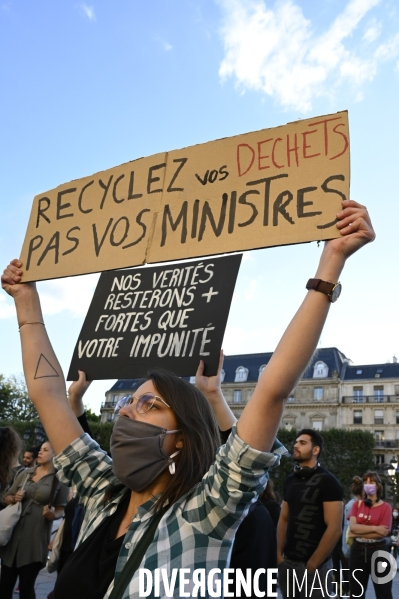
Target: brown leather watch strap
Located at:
point(319, 285)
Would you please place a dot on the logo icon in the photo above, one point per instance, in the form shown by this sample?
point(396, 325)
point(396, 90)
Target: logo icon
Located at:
point(386, 563)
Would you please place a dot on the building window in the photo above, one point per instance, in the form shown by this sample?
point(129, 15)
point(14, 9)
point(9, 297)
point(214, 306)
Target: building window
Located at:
point(378, 416)
point(241, 374)
point(396, 389)
point(318, 393)
point(357, 417)
point(320, 370)
point(379, 459)
point(397, 416)
point(111, 417)
point(358, 394)
point(359, 371)
point(379, 438)
point(261, 369)
point(114, 399)
point(237, 396)
point(317, 425)
point(222, 375)
point(379, 393)
point(291, 398)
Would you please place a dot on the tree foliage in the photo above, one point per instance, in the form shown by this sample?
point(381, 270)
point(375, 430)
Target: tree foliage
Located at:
point(14, 400)
point(102, 432)
point(345, 454)
point(26, 429)
point(91, 416)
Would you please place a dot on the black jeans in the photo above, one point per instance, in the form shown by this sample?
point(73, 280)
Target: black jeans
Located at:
point(360, 560)
point(27, 578)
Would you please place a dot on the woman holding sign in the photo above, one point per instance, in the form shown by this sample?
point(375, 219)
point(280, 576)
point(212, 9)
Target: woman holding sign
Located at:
point(166, 502)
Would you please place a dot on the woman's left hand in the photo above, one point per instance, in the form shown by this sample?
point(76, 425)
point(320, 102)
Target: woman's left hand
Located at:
point(356, 229)
point(48, 513)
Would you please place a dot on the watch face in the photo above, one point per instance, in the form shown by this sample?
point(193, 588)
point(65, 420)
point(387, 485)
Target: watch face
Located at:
point(336, 292)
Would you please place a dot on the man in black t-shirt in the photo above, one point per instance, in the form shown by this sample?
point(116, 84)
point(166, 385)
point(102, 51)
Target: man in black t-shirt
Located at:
point(310, 522)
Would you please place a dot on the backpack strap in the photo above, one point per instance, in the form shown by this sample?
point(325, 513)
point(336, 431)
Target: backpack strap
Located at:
point(125, 576)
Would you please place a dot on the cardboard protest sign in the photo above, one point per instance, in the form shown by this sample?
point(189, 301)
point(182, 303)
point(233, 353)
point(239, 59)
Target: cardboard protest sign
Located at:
point(168, 316)
point(271, 187)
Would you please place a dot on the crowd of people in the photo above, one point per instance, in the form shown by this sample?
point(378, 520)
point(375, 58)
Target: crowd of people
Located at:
point(187, 486)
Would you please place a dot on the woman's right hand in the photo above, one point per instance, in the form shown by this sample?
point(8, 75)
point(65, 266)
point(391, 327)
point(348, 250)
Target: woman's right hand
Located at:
point(19, 495)
point(11, 279)
point(78, 388)
point(209, 385)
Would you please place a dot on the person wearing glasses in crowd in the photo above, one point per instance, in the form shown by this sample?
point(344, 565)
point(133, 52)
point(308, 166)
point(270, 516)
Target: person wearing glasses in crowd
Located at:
point(164, 445)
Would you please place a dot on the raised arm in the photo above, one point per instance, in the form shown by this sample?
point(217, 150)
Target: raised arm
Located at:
point(260, 419)
point(43, 374)
point(76, 392)
point(211, 388)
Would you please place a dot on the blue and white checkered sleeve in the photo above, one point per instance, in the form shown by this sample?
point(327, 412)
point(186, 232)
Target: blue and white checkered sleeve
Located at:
point(86, 467)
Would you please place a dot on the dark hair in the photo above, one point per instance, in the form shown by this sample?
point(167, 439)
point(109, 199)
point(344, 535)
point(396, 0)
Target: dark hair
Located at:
point(10, 448)
point(268, 492)
point(357, 486)
point(199, 429)
point(315, 437)
point(33, 450)
point(374, 476)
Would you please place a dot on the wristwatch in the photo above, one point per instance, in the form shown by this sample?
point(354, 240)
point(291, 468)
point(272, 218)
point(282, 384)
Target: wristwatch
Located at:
point(332, 290)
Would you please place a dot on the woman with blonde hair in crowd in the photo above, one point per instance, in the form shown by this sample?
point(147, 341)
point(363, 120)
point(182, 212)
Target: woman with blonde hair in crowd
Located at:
point(26, 552)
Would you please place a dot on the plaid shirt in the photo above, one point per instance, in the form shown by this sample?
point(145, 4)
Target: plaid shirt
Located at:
point(197, 531)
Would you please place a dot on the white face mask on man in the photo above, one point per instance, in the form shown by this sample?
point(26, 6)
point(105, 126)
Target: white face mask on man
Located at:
point(395, 514)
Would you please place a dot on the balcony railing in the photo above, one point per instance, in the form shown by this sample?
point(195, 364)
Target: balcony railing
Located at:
point(108, 404)
point(394, 443)
point(371, 399)
point(312, 400)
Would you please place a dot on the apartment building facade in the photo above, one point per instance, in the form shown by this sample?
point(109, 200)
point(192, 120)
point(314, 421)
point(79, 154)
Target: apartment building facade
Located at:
point(332, 393)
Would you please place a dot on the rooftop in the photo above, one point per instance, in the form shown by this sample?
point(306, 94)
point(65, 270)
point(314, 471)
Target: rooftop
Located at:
point(336, 361)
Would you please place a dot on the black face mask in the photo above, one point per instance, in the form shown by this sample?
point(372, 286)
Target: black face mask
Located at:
point(136, 450)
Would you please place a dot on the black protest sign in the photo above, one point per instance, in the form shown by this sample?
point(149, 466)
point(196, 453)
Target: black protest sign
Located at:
point(165, 316)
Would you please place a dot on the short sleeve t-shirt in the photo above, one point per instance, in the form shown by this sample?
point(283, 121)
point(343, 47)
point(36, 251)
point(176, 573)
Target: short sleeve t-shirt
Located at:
point(379, 515)
point(305, 498)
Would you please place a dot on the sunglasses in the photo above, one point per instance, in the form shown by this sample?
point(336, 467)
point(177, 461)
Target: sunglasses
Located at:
point(143, 404)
